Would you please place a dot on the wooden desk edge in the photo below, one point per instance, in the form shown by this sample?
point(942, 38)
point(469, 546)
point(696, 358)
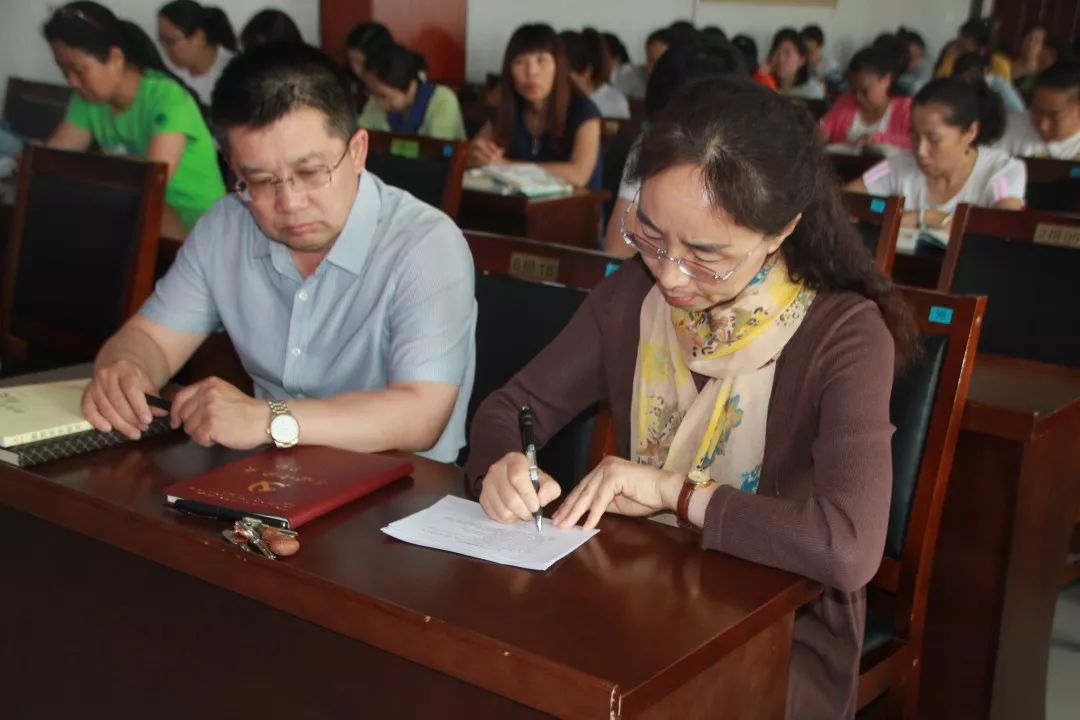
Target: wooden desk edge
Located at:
point(463, 654)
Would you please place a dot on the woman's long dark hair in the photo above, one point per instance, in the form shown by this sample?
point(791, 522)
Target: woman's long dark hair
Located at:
point(966, 102)
point(790, 35)
point(269, 26)
point(190, 16)
point(396, 66)
point(534, 38)
point(93, 28)
point(763, 161)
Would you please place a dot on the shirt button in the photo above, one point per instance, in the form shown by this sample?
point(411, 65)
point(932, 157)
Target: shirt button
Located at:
point(302, 295)
point(296, 352)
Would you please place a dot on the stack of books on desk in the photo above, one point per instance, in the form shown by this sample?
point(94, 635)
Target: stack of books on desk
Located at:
point(44, 422)
point(526, 179)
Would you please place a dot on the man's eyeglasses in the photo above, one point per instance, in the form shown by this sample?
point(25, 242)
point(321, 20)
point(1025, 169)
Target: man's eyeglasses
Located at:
point(690, 268)
point(301, 181)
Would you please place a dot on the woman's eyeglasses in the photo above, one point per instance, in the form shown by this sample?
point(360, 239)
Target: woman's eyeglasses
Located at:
point(691, 268)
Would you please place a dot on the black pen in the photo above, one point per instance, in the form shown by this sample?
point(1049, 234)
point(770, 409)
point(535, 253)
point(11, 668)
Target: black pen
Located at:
point(528, 446)
point(155, 401)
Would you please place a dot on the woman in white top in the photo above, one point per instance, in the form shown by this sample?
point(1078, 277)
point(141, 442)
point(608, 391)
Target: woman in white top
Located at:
point(952, 122)
point(788, 62)
point(199, 42)
point(585, 54)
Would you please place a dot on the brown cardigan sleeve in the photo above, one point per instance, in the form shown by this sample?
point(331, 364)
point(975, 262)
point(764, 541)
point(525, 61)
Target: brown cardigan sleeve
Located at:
point(835, 533)
point(565, 378)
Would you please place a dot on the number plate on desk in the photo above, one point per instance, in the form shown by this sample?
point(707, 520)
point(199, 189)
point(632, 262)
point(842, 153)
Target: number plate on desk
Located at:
point(535, 268)
point(1064, 235)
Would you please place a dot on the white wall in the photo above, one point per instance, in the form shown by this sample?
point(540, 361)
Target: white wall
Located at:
point(848, 26)
point(24, 52)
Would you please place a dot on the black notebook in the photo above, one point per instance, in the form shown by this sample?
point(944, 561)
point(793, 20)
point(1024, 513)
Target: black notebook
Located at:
point(61, 447)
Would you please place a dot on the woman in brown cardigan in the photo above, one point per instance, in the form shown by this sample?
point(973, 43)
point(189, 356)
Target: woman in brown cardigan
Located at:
point(748, 359)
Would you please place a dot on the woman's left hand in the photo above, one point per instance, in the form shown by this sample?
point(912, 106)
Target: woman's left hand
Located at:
point(619, 486)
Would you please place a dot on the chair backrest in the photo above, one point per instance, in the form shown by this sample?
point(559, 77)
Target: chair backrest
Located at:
point(429, 168)
point(616, 141)
point(537, 261)
point(519, 311)
point(1053, 185)
point(35, 109)
point(82, 248)
point(878, 221)
point(477, 113)
point(852, 167)
point(927, 406)
point(1026, 262)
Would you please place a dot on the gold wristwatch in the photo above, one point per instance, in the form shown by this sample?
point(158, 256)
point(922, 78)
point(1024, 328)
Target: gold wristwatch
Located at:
point(284, 430)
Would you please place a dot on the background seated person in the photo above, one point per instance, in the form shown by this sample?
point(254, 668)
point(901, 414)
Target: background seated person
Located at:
point(268, 26)
point(974, 36)
point(972, 67)
point(542, 118)
point(952, 124)
point(869, 114)
point(349, 302)
point(129, 104)
point(788, 64)
point(1051, 127)
point(585, 55)
point(400, 100)
point(783, 418)
point(199, 42)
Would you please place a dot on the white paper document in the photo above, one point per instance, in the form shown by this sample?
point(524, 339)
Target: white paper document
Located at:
point(461, 526)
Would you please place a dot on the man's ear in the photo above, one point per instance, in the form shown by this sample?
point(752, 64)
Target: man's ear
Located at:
point(358, 149)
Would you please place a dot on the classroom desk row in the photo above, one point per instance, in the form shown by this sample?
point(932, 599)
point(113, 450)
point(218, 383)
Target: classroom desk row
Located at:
point(638, 623)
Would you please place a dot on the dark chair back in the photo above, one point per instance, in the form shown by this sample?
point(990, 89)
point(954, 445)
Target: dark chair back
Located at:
point(477, 113)
point(428, 168)
point(82, 250)
point(526, 293)
point(878, 221)
point(852, 167)
point(1027, 263)
point(35, 109)
point(616, 142)
point(1053, 185)
point(817, 108)
point(927, 406)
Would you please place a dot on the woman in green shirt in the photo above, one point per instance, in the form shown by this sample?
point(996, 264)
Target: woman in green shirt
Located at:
point(402, 101)
point(129, 104)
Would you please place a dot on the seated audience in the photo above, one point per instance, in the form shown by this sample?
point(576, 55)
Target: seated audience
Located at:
point(656, 44)
point(584, 53)
point(972, 67)
point(749, 50)
point(362, 42)
point(542, 118)
point(953, 122)
point(349, 301)
point(1025, 66)
point(268, 26)
point(129, 104)
point(788, 65)
point(975, 36)
point(747, 257)
point(869, 113)
point(400, 99)
point(1051, 127)
point(627, 78)
point(706, 58)
point(821, 68)
point(916, 71)
point(198, 41)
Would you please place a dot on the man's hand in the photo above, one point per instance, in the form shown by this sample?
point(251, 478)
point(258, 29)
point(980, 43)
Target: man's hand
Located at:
point(213, 411)
point(115, 399)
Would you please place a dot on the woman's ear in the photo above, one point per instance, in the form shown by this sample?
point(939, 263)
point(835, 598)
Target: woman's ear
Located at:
point(778, 239)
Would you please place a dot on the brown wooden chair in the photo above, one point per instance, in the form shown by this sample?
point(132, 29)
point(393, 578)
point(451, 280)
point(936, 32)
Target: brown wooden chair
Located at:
point(35, 109)
point(1028, 263)
point(878, 221)
point(429, 168)
point(926, 408)
point(526, 293)
point(1053, 185)
point(81, 254)
point(616, 141)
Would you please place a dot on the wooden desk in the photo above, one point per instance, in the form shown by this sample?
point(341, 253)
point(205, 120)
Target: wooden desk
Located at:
point(568, 220)
point(1012, 503)
point(116, 603)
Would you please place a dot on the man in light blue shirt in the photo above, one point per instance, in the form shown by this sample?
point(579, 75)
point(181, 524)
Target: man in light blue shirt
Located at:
point(349, 301)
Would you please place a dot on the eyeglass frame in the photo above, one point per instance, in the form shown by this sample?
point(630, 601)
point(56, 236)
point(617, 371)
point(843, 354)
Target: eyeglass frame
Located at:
point(290, 180)
point(684, 266)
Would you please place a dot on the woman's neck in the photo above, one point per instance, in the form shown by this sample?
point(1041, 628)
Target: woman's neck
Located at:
point(786, 82)
point(126, 91)
point(873, 114)
point(953, 179)
point(204, 60)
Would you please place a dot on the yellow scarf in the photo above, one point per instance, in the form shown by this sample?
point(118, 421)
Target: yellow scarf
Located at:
point(718, 432)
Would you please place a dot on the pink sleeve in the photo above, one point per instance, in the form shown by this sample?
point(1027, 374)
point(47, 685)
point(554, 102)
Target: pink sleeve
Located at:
point(898, 133)
point(837, 121)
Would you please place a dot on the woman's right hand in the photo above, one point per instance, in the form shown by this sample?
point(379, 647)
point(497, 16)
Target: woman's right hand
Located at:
point(484, 152)
point(508, 495)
